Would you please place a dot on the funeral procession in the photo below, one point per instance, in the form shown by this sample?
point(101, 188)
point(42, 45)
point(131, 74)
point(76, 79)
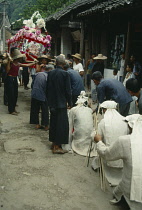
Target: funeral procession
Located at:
point(70, 105)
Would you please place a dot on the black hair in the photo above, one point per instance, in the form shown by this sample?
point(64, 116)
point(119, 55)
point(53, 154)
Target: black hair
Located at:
point(133, 85)
point(130, 64)
point(69, 56)
point(12, 49)
point(115, 71)
point(97, 76)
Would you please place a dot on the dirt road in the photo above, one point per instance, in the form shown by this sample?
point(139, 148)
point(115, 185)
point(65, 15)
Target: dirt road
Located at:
point(32, 178)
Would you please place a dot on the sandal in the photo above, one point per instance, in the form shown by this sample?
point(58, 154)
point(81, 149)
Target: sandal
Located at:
point(14, 113)
point(38, 127)
point(58, 151)
point(46, 128)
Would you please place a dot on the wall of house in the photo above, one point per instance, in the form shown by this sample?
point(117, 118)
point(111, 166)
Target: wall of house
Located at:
point(66, 45)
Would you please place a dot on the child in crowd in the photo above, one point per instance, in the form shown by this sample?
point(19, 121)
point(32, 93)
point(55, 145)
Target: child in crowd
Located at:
point(129, 75)
point(115, 74)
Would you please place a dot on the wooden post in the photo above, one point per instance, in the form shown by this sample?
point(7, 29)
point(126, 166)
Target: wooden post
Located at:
point(128, 46)
point(82, 40)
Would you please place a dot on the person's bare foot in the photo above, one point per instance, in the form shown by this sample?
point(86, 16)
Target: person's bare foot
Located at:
point(37, 126)
point(46, 128)
point(14, 113)
point(58, 150)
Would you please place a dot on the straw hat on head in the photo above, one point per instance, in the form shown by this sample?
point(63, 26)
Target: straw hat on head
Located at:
point(78, 56)
point(44, 57)
point(100, 57)
point(17, 54)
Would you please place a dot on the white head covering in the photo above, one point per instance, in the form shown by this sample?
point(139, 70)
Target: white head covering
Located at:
point(131, 119)
point(109, 105)
point(112, 121)
point(82, 98)
point(115, 125)
point(135, 122)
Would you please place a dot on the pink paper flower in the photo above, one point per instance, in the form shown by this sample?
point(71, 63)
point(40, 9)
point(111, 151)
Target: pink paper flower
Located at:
point(38, 32)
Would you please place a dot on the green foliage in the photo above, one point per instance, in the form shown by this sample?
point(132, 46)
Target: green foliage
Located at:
point(25, 8)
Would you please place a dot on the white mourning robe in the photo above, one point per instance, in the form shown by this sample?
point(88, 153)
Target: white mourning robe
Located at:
point(80, 129)
point(121, 149)
point(110, 128)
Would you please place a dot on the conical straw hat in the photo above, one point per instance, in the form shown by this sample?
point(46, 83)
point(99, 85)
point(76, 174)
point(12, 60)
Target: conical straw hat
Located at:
point(100, 57)
point(78, 56)
point(17, 54)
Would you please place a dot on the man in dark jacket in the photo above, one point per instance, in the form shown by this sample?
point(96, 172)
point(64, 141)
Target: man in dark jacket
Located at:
point(111, 89)
point(76, 83)
point(59, 97)
point(133, 87)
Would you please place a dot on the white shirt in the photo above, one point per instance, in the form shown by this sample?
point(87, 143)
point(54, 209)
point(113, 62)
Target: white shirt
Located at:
point(122, 63)
point(78, 67)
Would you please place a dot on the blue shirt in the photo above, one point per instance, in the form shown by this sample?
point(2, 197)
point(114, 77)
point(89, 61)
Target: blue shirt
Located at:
point(39, 86)
point(76, 82)
point(111, 89)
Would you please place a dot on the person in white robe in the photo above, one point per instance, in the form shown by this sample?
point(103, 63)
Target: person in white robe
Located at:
point(129, 149)
point(110, 128)
point(81, 127)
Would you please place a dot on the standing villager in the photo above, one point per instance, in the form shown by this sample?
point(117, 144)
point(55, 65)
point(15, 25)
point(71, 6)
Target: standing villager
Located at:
point(20, 76)
point(137, 69)
point(69, 58)
point(115, 74)
point(111, 127)
point(128, 148)
point(122, 65)
point(43, 61)
point(111, 89)
point(59, 97)
point(98, 66)
point(81, 127)
point(32, 69)
point(90, 64)
point(133, 87)
point(12, 69)
point(130, 74)
point(5, 97)
point(39, 99)
point(77, 65)
point(25, 76)
point(76, 82)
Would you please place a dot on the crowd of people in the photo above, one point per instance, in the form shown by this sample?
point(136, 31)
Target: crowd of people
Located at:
point(58, 92)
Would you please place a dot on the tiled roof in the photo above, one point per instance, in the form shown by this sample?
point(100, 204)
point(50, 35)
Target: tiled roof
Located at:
point(87, 7)
point(69, 8)
point(110, 5)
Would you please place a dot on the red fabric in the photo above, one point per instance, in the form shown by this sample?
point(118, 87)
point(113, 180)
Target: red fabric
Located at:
point(30, 59)
point(14, 69)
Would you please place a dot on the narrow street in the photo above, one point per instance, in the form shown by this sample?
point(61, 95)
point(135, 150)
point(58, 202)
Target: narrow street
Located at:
point(32, 178)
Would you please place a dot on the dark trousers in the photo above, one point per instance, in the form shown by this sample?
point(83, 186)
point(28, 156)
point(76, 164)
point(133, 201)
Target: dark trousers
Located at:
point(59, 126)
point(5, 97)
point(74, 99)
point(25, 75)
point(36, 105)
point(12, 92)
point(139, 79)
point(88, 82)
point(124, 109)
